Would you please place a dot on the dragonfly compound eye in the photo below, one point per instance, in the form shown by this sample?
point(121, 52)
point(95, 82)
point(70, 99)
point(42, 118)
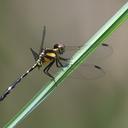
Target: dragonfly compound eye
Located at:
point(60, 47)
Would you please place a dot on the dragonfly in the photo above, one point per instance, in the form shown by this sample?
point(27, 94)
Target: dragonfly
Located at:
point(47, 57)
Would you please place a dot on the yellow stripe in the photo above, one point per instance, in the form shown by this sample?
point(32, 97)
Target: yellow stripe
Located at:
point(47, 60)
point(51, 54)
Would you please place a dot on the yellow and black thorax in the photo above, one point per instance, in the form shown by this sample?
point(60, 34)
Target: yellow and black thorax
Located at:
point(49, 56)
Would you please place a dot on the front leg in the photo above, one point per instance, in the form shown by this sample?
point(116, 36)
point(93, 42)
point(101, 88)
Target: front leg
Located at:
point(60, 64)
point(57, 64)
point(64, 59)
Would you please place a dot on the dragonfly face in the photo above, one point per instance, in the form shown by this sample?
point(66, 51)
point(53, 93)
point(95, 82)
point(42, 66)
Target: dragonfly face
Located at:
point(60, 48)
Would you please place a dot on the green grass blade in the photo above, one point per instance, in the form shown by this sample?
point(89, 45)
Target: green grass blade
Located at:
point(78, 58)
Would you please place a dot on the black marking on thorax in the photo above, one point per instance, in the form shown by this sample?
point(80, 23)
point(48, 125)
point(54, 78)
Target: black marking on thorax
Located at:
point(49, 55)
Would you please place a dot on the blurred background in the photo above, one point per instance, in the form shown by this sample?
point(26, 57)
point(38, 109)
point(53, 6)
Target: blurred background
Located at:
point(95, 103)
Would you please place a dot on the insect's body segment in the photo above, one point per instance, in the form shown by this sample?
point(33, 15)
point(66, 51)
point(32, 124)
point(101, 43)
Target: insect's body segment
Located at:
point(13, 85)
point(49, 56)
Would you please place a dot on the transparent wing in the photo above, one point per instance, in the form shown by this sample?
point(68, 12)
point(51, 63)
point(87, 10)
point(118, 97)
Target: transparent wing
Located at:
point(35, 55)
point(102, 52)
point(84, 72)
point(88, 72)
point(72, 48)
point(43, 38)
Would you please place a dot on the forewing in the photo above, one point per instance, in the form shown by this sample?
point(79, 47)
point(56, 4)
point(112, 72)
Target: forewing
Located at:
point(73, 48)
point(43, 38)
point(102, 52)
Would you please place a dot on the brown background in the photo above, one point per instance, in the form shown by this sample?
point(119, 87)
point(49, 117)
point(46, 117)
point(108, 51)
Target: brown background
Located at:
point(98, 103)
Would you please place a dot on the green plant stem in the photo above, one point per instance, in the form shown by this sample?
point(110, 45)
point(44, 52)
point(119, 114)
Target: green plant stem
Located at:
point(77, 59)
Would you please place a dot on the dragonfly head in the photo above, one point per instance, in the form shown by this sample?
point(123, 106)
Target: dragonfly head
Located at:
point(60, 47)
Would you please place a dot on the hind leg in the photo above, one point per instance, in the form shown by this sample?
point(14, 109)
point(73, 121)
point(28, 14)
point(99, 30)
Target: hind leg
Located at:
point(47, 68)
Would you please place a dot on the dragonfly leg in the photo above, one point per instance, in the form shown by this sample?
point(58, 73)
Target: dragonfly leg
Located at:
point(47, 68)
point(57, 63)
point(63, 59)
